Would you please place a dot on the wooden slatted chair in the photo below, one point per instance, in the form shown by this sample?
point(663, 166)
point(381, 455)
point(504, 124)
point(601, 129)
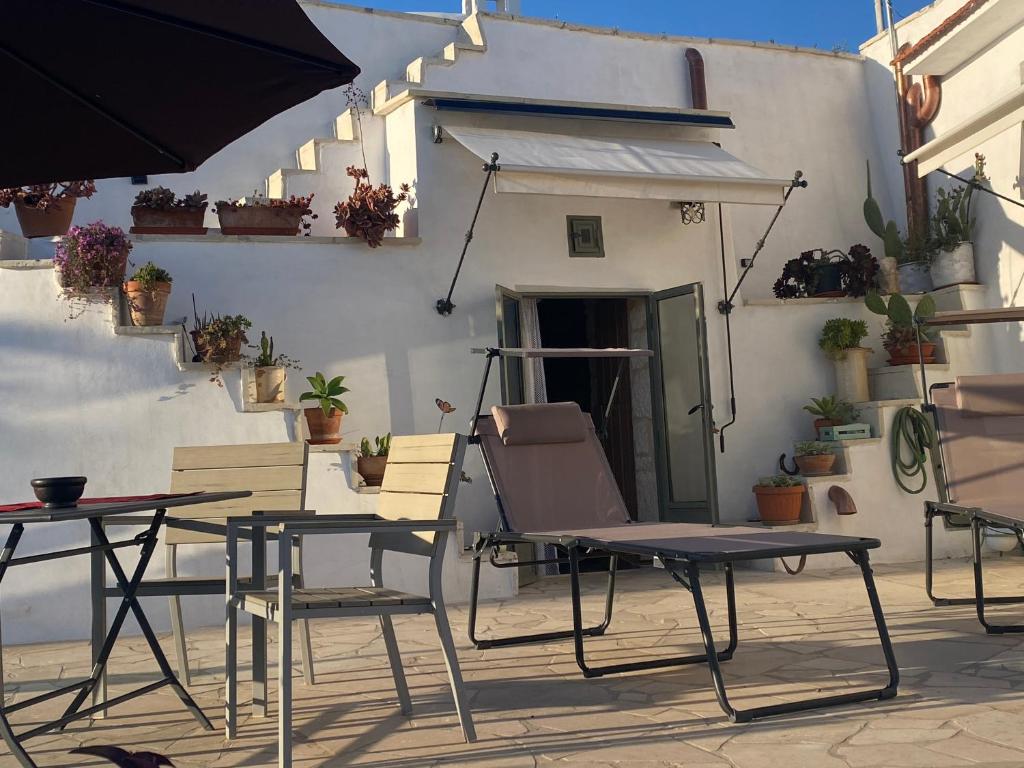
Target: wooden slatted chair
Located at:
point(275, 473)
point(416, 507)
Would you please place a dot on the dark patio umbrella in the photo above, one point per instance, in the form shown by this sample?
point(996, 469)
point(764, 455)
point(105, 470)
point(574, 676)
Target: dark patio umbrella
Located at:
point(102, 88)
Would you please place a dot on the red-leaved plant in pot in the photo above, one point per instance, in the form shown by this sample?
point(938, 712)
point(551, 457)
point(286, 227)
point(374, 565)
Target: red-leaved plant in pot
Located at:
point(369, 212)
point(45, 210)
point(261, 215)
point(159, 211)
point(902, 326)
point(92, 257)
point(324, 420)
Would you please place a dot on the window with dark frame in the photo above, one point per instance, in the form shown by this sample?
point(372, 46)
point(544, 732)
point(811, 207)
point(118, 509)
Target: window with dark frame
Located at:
point(585, 237)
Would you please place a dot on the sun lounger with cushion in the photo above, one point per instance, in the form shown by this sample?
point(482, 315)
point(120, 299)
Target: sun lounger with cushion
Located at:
point(553, 486)
point(979, 468)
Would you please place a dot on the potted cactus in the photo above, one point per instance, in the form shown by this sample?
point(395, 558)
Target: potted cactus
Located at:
point(159, 211)
point(146, 293)
point(814, 458)
point(779, 499)
point(373, 459)
point(324, 420)
point(261, 215)
point(270, 370)
point(902, 325)
point(953, 230)
point(45, 210)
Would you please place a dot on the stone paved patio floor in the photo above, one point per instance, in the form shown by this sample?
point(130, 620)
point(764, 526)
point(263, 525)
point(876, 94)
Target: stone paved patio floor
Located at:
point(961, 700)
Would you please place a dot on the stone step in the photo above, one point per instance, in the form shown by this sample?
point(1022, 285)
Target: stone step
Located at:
point(902, 382)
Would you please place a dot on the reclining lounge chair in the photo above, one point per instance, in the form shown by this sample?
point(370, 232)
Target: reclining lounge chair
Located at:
point(979, 470)
point(553, 485)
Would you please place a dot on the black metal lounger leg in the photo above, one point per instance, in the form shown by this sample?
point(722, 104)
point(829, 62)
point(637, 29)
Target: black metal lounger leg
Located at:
point(746, 715)
point(540, 637)
point(929, 516)
point(675, 661)
point(979, 589)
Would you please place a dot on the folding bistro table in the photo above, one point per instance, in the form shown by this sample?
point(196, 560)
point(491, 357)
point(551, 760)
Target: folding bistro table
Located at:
point(95, 511)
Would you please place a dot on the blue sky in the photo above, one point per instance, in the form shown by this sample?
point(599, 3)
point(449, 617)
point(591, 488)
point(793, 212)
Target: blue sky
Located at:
point(821, 23)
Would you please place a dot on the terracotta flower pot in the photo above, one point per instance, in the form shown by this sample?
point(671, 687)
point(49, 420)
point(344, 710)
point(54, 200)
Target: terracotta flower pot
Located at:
point(147, 306)
point(172, 221)
point(259, 220)
point(908, 356)
point(323, 430)
point(779, 506)
point(372, 469)
point(52, 221)
point(231, 354)
point(816, 465)
point(270, 384)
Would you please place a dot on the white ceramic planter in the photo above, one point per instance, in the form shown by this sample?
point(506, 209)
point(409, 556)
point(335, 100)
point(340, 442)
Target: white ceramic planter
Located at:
point(270, 384)
point(954, 267)
point(888, 275)
point(916, 277)
point(852, 376)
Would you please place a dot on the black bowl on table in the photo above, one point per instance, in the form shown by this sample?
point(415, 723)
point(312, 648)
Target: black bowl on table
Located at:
point(57, 492)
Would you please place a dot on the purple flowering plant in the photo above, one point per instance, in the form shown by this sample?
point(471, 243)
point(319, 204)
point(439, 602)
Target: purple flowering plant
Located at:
point(92, 256)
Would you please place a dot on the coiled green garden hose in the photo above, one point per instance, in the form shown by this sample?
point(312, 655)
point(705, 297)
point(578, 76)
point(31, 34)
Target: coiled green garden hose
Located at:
point(912, 433)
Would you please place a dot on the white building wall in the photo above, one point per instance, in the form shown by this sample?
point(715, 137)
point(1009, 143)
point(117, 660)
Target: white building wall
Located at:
point(368, 313)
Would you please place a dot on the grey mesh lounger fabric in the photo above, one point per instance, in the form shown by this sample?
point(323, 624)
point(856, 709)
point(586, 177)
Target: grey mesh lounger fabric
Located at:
point(979, 466)
point(553, 485)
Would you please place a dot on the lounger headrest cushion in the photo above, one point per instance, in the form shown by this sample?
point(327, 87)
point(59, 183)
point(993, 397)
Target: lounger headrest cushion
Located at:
point(993, 395)
point(539, 424)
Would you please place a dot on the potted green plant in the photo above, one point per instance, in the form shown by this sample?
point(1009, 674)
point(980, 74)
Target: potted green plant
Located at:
point(373, 459)
point(270, 370)
point(823, 273)
point(841, 342)
point(147, 292)
point(91, 257)
point(814, 457)
point(261, 215)
point(831, 411)
point(779, 499)
point(902, 325)
point(158, 211)
point(324, 420)
point(45, 210)
point(369, 212)
point(218, 339)
point(953, 232)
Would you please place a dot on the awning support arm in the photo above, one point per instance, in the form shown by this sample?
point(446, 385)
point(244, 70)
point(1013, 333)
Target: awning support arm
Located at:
point(444, 306)
point(976, 185)
point(726, 306)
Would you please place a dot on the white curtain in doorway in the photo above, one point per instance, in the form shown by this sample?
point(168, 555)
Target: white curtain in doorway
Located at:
point(536, 385)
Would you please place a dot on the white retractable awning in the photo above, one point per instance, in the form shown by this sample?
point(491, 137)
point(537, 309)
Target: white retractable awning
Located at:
point(1005, 113)
point(602, 166)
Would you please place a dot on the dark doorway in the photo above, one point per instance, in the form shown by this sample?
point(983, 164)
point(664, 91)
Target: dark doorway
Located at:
point(596, 323)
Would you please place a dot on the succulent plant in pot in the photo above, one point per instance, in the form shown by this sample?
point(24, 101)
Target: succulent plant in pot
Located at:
point(902, 326)
point(45, 210)
point(158, 211)
point(369, 212)
point(218, 339)
point(270, 370)
point(814, 457)
point(841, 342)
point(831, 411)
point(373, 459)
point(147, 292)
point(779, 499)
point(324, 420)
point(262, 215)
point(952, 231)
point(92, 257)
